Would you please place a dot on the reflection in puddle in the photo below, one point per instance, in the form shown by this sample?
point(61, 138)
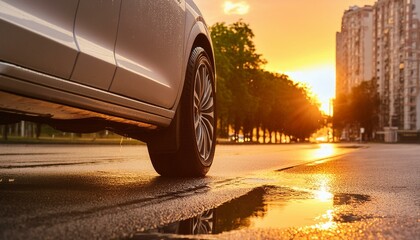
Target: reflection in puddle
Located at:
point(267, 207)
point(201, 224)
point(233, 215)
point(295, 213)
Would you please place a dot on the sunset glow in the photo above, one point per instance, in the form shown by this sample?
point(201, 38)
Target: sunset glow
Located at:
point(295, 37)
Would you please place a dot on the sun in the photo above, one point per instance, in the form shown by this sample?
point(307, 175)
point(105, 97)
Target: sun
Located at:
point(236, 8)
point(316, 78)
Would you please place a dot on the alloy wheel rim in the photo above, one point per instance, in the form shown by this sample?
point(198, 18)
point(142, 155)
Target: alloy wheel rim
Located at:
point(203, 110)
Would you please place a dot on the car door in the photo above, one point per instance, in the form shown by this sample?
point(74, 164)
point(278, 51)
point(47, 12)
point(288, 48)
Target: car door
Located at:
point(39, 35)
point(95, 30)
point(149, 51)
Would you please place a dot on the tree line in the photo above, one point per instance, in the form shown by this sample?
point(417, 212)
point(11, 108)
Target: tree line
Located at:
point(357, 109)
point(252, 100)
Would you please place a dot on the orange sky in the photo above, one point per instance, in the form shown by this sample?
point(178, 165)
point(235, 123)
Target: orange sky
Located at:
point(296, 37)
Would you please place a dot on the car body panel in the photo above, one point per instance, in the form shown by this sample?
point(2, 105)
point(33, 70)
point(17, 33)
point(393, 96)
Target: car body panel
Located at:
point(42, 33)
point(45, 87)
point(150, 36)
point(57, 51)
point(95, 30)
point(37, 108)
point(194, 26)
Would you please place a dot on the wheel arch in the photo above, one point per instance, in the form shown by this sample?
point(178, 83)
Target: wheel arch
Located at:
point(180, 150)
point(202, 41)
point(198, 36)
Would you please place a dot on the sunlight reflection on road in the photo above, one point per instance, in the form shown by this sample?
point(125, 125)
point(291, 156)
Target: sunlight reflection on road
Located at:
point(323, 194)
point(325, 150)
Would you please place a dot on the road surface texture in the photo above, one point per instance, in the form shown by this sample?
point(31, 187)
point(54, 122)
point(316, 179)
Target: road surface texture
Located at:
point(252, 192)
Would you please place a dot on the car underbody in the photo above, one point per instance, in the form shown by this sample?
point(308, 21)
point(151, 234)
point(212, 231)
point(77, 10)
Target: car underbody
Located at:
point(15, 108)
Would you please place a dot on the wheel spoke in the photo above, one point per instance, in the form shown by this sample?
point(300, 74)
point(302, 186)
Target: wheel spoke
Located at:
point(200, 137)
point(208, 125)
point(208, 106)
point(203, 77)
point(203, 139)
point(196, 100)
point(207, 141)
point(207, 96)
point(198, 83)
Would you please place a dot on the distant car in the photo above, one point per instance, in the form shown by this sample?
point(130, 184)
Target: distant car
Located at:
point(141, 68)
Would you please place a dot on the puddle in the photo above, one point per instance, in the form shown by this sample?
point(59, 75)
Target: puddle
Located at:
point(265, 207)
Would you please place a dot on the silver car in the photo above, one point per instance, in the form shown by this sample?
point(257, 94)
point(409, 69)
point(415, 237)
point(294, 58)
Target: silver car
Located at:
point(140, 68)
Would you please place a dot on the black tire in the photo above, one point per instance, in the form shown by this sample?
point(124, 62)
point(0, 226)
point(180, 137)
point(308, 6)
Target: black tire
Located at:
point(195, 124)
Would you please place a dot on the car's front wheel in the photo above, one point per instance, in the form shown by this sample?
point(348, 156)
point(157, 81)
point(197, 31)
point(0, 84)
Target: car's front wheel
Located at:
point(194, 125)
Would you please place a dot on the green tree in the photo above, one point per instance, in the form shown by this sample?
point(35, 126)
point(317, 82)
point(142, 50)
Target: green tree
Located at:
point(364, 106)
point(358, 109)
point(236, 58)
point(303, 114)
point(250, 98)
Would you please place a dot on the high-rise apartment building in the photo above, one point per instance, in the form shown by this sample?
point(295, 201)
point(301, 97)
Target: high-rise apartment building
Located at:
point(396, 42)
point(385, 40)
point(354, 50)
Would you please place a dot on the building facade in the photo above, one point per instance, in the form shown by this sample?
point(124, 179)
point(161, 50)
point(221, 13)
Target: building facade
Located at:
point(396, 62)
point(354, 50)
point(385, 40)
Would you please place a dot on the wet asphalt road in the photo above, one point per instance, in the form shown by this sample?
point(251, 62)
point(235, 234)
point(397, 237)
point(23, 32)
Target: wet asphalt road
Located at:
point(265, 192)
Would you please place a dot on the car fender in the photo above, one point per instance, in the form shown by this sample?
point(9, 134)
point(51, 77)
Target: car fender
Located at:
point(169, 137)
point(197, 29)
